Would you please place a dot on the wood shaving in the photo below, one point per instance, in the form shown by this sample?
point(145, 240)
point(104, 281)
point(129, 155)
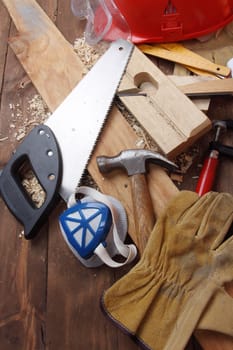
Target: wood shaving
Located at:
point(38, 110)
point(89, 55)
point(24, 82)
point(2, 139)
point(36, 113)
point(186, 159)
point(33, 189)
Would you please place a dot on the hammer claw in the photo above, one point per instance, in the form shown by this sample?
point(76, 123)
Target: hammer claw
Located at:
point(134, 162)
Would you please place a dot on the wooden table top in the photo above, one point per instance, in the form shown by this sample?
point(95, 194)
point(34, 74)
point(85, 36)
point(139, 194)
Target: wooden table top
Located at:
point(48, 300)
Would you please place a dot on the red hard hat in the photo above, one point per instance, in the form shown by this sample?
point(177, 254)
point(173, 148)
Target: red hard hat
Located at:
point(170, 20)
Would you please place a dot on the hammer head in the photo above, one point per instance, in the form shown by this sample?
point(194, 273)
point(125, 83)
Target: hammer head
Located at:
point(134, 161)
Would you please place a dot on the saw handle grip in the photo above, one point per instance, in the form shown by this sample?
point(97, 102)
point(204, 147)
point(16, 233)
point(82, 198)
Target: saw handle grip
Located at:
point(143, 210)
point(208, 173)
point(40, 151)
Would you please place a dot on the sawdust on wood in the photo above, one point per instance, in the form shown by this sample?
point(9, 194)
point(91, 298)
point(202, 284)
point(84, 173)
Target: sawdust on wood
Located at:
point(89, 55)
point(33, 188)
point(38, 112)
point(185, 159)
point(20, 125)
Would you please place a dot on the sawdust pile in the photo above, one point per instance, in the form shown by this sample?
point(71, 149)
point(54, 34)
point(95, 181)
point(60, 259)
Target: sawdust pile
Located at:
point(33, 188)
point(36, 112)
point(89, 55)
point(22, 122)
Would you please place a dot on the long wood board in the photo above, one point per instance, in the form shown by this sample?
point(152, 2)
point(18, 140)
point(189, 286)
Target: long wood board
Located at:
point(212, 87)
point(27, 42)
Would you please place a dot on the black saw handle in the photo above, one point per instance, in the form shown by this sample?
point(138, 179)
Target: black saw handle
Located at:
point(41, 151)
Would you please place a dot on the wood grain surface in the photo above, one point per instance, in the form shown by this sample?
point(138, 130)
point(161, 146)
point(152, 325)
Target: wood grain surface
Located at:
point(48, 300)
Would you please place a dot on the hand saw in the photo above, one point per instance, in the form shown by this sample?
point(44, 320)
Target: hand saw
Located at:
point(58, 151)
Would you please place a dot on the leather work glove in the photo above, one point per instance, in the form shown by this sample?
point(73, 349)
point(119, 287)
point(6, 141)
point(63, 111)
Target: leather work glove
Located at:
point(181, 273)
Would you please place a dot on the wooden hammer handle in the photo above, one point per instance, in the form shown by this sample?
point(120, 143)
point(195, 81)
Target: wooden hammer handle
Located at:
point(143, 210)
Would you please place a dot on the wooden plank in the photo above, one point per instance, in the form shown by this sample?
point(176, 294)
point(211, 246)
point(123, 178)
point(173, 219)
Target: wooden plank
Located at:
point(180, 80)
point(23, 272)
point(73, 291)
point(22, 298)
point(4, 30)
point(176, 52)
point(70, 26)
point(74, 319)
point(67, 308)
point(41, 48)
point(168, 116)
point(211, 87)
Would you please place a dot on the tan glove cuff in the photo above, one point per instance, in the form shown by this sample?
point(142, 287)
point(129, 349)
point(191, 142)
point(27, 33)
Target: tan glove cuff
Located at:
point(189, 317)
point(218, 315)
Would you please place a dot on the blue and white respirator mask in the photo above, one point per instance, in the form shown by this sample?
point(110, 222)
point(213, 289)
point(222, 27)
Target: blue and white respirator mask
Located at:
point(95, 228)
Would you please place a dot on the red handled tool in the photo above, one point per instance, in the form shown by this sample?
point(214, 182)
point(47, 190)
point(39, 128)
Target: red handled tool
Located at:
point(207, 176)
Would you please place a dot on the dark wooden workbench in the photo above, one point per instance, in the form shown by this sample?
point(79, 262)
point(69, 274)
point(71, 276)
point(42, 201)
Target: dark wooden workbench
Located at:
point(48, 300)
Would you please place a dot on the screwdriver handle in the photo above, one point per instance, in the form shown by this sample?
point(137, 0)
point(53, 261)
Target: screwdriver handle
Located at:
point(207, 176)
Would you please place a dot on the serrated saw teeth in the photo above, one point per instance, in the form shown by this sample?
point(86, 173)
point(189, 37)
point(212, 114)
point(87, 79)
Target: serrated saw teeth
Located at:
point(78, 121)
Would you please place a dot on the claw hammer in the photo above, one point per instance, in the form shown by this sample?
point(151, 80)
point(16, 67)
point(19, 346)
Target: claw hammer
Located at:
point(135, 162)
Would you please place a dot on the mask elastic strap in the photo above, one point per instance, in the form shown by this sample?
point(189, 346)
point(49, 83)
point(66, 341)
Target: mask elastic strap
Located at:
point(128, 251)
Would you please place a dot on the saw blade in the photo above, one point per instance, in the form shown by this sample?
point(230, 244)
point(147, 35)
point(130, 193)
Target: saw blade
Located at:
point(77, 122)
